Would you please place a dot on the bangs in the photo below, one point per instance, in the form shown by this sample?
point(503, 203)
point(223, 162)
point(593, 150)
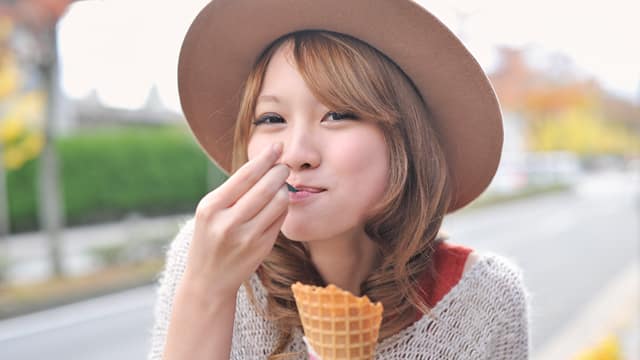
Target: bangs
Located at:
point(346, 74)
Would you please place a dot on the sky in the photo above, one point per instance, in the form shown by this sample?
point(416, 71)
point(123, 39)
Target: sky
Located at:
point(121, 48)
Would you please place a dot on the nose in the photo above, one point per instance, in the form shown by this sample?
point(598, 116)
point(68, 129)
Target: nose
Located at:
point(300, 150)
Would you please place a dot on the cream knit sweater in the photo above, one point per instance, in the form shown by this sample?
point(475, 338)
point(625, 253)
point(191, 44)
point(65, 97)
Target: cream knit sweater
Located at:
point(485, 316)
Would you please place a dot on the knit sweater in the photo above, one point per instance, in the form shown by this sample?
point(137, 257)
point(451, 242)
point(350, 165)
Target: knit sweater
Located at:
point(484, 316)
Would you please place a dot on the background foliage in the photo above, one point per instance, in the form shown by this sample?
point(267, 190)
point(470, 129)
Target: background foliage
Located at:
point(109, 173)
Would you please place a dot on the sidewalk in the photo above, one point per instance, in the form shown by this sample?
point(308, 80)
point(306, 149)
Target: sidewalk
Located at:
point(615, 314)
point(28, 253)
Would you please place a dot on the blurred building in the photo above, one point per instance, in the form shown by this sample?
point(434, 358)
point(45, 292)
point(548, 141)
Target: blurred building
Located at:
point(89, 112)
point(518, 86)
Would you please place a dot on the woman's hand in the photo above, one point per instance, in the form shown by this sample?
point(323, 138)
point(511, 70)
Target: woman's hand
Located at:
point(237, 224)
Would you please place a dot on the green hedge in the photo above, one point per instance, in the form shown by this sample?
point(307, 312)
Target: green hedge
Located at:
point(108, 173)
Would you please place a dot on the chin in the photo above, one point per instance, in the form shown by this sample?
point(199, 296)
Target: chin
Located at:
point(297, 235)
point(301, 231)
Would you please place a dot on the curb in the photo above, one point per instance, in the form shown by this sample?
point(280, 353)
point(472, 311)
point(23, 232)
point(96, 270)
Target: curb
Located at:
point(28, 256)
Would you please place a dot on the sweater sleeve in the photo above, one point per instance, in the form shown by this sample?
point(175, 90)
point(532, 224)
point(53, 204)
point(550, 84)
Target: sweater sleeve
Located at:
point(512, 339)
point(176, 260)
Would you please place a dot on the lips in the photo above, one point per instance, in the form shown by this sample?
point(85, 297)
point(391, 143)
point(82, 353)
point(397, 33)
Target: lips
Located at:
point(305, 194)
point(310, 189)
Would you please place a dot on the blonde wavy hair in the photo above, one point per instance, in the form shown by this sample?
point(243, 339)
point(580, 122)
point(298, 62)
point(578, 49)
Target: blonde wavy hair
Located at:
point(347, 74)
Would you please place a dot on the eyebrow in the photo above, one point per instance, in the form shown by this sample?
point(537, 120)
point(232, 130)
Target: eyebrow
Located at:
point(272, 99)
point(268, 98)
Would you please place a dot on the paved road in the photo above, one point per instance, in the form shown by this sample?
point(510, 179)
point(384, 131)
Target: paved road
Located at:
point(569, 245)
point(107, 328)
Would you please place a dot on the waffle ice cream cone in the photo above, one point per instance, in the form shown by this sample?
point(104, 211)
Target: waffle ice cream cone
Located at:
point(337, 324)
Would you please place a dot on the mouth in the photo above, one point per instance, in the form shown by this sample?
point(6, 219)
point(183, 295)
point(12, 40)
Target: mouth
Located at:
point(304, 194)
point(310, 189)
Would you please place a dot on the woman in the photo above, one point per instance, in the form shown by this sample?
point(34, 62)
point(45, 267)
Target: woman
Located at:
point(383, 130)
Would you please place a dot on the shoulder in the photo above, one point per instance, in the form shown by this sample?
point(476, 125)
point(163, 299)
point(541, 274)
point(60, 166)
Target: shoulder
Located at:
point(501, 267)
point(176, 254)
point(496, 267)
point(492, 292)
point(493, 278)
point(484, 268)
point(489, 304)
point(182, 241)
point(506, 300)
point(501, 277)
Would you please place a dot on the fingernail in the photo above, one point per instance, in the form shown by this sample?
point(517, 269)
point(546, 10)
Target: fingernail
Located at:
point(277, 148)
point(291, 188)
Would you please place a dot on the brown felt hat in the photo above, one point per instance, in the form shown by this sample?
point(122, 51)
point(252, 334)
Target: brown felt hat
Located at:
point(227, 36)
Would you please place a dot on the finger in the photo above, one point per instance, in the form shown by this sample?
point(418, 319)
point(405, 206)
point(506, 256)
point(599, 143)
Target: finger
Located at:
point(271, 211)
point(270, 235)
point(254, 200)
point(244, 178)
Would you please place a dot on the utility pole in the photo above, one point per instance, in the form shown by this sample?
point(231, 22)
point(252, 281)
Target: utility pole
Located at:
point(4, 219)
point(4, 199)
point(51, 205)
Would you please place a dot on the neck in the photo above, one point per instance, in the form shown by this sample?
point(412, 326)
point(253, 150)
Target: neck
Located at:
point(345, 261)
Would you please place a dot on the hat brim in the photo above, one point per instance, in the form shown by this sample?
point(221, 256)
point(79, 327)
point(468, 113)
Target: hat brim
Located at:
point(227, 36)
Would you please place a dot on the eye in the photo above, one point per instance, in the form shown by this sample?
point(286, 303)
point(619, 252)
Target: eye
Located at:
point(341, 115)
point(268, 119)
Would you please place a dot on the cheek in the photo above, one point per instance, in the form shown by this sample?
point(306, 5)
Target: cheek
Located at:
point(255, 146)
point(363, 163)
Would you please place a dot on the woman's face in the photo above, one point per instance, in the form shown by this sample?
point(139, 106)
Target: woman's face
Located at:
point(347, 157)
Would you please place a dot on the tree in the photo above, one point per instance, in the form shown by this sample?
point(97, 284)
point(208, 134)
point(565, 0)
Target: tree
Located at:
point(39, 18)
point(573, 118)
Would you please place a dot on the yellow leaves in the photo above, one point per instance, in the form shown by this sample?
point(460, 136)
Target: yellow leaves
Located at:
point(579, 117)
point(559, 98)
point(30, 107)
point(29, 148)
point(13, 158)
point(607, 349)
point(21, 132)
point(21, 114)
point(11, 128)
point(33, 144)
point(9, 71)
point(583, 131)
point(9, 76)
